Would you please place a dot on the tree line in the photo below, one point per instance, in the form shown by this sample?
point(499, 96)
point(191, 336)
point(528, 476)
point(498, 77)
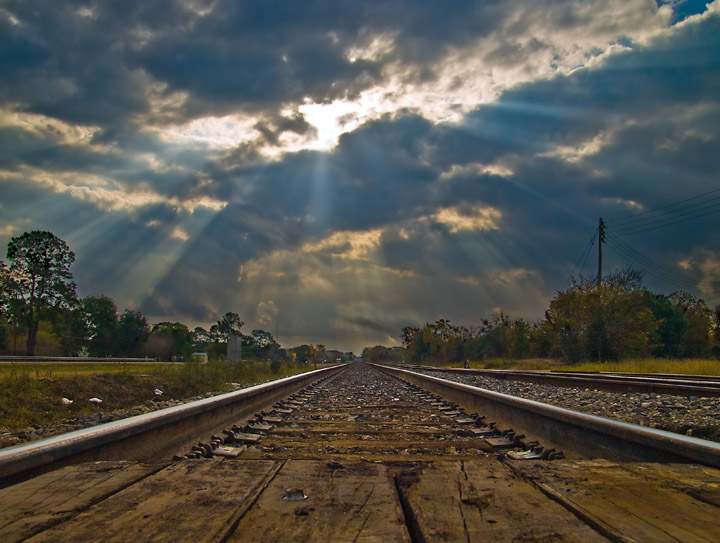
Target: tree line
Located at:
point(617, 320)
point(39, 307)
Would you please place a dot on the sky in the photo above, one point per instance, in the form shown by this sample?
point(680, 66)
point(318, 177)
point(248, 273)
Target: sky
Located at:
point(334, 170)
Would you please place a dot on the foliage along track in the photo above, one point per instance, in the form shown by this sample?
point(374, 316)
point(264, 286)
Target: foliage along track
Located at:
point(362, 456)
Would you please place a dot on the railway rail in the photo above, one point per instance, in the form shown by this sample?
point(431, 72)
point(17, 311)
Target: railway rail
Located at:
point(685, 385)
point(6, 359)
point(361, 453)
point(146, 437)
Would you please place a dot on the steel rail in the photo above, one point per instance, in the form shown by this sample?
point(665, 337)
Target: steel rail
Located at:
point(577, 434)
point(151, 437)
point(671, 376)
point(659, 384)
point(9, 359)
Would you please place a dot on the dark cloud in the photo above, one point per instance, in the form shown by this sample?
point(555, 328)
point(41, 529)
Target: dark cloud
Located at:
point(97, 63)
point(389, 329)
point(272, 129)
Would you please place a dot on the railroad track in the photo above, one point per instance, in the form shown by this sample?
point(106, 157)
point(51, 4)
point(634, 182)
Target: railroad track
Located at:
point(660, 383)
point(365, 453)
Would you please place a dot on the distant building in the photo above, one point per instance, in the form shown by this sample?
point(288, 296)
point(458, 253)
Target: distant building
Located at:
point(200, 357)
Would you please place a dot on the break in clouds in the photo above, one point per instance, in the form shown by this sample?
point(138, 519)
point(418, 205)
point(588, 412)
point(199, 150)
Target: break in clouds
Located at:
point(338, 170)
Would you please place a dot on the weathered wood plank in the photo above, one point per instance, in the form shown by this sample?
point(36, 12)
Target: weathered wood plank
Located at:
point(49, 499)
point(355, 503)
point(196, 501)
point(626, 504)
point(700, 482)
point(482, 501)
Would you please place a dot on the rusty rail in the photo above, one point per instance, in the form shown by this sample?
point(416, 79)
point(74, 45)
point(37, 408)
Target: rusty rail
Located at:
point(578, 434)
point(680, 385)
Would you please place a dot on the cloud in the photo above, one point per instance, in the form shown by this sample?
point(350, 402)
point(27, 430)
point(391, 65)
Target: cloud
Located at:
point(47, 128)
point(351, 167)
point(180, 234)
point(346, 245)
point(107, 194)
point(266, 314)
point(475, 218)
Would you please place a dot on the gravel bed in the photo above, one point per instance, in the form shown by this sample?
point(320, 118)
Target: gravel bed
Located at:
point(689, 415)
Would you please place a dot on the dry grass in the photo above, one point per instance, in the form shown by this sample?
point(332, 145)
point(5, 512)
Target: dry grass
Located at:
point(31, 394)
point(507, 364)
point(527, 364)
point(59, 370)
point(645, 365)
point(652, 365)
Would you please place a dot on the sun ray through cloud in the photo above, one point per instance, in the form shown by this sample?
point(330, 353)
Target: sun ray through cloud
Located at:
point(350, 168)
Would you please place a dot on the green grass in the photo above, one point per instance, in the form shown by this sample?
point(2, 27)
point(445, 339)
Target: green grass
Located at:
point(31, 394)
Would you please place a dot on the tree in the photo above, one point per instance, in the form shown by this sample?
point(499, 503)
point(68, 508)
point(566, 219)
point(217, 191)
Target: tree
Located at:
point(99, 318)
point(229, 325)
point(133, 331)
point(599, 323)
point(37, 280)
point(415, 348)
point(67, 325)
point(716, 331)
point(301, 353)
point(672, 326)
point(320, 351)
point(383, 355)
point(167, 339)
point(262, 339)
point(201, 338)
point(697, 341)
point(3, 332)
point(261, 344)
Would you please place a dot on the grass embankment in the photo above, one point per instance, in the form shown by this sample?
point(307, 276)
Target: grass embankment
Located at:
point(31, 394)
point(645, 365)
point(686, 367)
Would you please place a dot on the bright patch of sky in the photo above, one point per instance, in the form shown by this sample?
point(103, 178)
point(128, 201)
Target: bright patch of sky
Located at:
point(463, 78)
point(214, 133)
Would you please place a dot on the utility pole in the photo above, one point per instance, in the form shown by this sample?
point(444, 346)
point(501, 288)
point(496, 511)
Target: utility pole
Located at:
point(601, 240)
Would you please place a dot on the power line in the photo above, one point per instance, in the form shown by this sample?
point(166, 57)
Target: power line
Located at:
point(634, 216)
point(683, 285)
point(685, 210)
point(585, 254)
point(645, 262)
point(652, 268)
point(667, 221)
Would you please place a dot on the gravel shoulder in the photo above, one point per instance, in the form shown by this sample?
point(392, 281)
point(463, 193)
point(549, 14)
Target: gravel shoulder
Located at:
point(689, 415)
